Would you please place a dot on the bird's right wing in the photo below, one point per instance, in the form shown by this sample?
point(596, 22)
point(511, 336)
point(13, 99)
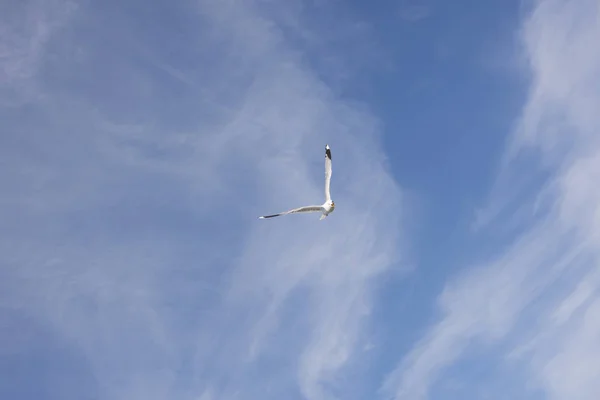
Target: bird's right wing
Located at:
point(306, 209)
point(327, 172)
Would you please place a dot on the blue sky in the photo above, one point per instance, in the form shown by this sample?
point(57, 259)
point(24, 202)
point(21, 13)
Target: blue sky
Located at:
point(140, 142)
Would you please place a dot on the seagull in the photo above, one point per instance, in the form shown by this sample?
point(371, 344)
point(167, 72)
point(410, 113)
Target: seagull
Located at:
point(326, 208)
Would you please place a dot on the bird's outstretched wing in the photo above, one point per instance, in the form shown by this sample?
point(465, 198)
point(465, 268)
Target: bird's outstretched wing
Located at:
point(306, 209)
point(327, 172)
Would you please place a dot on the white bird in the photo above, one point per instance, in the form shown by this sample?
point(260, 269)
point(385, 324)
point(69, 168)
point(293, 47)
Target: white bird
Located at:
point(326, 208)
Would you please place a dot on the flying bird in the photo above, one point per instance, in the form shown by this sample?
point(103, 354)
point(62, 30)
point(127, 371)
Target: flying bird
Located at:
point(326, 208)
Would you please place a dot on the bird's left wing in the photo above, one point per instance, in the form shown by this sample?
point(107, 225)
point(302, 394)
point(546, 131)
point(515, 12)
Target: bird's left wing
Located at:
point(327, 172)
point(305, 209)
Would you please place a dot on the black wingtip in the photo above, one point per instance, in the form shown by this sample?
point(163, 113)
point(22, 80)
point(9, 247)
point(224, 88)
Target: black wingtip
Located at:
point(327, 151)
point(269, 216)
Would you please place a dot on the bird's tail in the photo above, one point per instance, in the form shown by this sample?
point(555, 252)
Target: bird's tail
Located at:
point(323, 216)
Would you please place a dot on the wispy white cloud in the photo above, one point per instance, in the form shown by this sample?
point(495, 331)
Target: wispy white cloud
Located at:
point(27, 27)
point(133, 187)
point(539, 297)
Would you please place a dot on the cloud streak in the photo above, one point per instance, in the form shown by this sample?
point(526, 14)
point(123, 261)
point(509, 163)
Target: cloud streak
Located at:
point(131, 252)
point(539, 298)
